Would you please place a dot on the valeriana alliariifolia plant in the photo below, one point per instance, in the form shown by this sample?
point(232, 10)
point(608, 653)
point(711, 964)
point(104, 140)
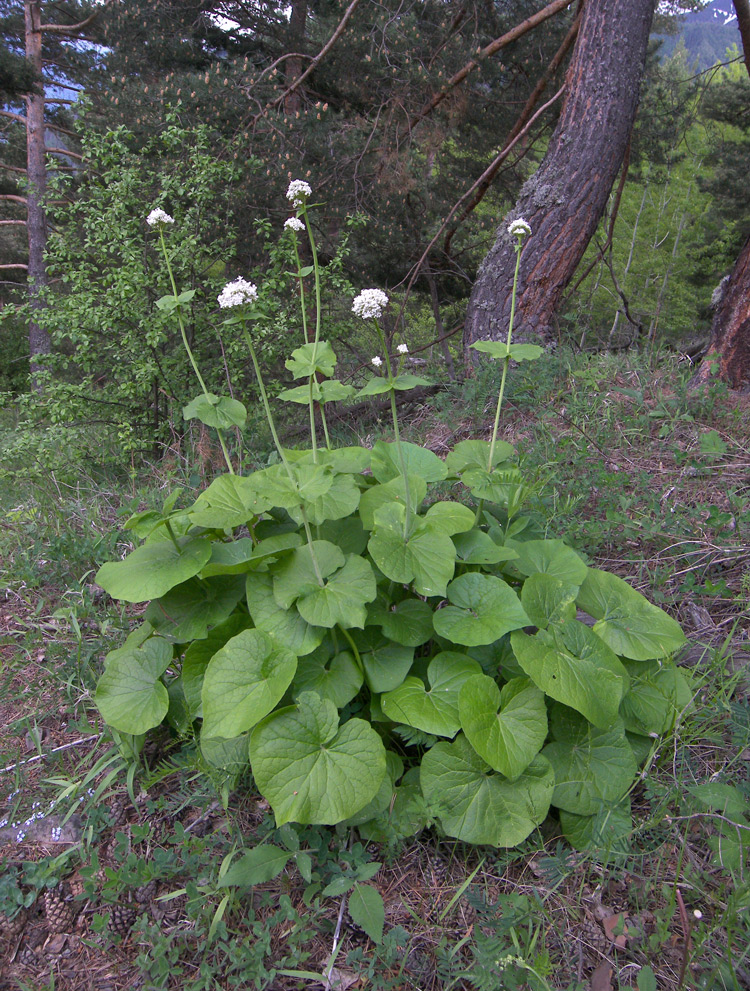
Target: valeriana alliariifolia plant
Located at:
point(383, 656)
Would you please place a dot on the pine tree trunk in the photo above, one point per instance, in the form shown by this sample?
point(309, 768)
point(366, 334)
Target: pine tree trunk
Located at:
point(39, 342)
point(566, 198)
point(728, 355)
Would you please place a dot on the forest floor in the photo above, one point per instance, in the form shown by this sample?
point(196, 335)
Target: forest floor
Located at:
point(109, 867)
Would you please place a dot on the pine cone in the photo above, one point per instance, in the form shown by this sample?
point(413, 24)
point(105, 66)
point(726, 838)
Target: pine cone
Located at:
point(121, 919)
point(145, 893)
point(10, 928)
point(59, 914)
point(118, 812)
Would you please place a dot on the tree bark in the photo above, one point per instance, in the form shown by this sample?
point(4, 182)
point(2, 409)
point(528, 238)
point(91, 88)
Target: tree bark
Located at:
point(36, 220)
point(566, 198)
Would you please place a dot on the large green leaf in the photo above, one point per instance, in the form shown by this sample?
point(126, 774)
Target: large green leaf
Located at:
point(200, 652)
point(449, 518)
point(593, 768)
point(336, 678)
point(476, 454)
point(483, 609)
point(507, 740)
point(286, 626)
point(419, 461)
point(408, 623)
point(627, 622)
point(386, 665)
point(309, 769)
point(515, 352)
point(425, 555)
point(478, 806)
point(592, 685)
point(288, 487)
point(391, 492)
point(152, 569)
point(310, 359)
point(322, 392)
point(243, 682)
point(547, 600)
point(216, 411)
point(229, 501)
point(186, 612)
point(503, 485)
point(298, 574)
point(658, 694)
point(435, 710)
point(549, 557)
point(341, 500)
point(477, 547)
point(342, 599)
point(130, 694)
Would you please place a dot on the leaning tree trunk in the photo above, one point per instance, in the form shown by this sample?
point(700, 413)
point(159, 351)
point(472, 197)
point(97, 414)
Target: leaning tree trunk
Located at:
point(728, 354)
point(36, 221)
point(566, 198)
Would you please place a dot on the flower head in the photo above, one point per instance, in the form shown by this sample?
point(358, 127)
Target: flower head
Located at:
point(519, 228)
point(697, 913)
point(402, 349)
point(370, 303)
point(377, 361)
point(236, 293)
point(294, 224)
point(298, 192)
point(158, 217)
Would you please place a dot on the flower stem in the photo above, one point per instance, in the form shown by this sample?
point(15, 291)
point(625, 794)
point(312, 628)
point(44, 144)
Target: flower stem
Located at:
point(396, 434)
point(280, 449)
point(506, 360)
point(187, 346)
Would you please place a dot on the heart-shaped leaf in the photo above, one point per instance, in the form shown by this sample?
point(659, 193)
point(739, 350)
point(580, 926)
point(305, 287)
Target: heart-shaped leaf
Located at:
point(609, 829)
point(298, 573)
point(476, 454)
point(593, 685)
point(435, 710)
point(515, 352)
point(309, 769)
point(409, 623)
point(510, 739)
point(477, 547)
point(229, 501)
point(658, 694)
point(186, 612)
point(547, 600)
point(386, 665)
point(477, 806)
point(285, 625)
point(216, 411)
point(200, 652)
point(130, 694)
point(341, 500)
point(423, 556)
point(311, 359)
point(420, 461)
point(243, 682)
point(549, 557)
point(593, 768)
point(336, 678)
point(152, 569)
point(342, 599)
point(627, 622)
point(484, 608)
point(391, 492)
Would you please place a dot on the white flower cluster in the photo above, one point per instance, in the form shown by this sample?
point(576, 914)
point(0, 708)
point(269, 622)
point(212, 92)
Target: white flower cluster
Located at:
point(402, 349)
point(370, 304)
point(294, 224)
point(298, 192)
point(377, 361)
point(158, 217)
point(519, 228)
point(236, 293)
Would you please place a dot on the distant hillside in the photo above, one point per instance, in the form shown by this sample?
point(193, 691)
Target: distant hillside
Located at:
point(706, 33)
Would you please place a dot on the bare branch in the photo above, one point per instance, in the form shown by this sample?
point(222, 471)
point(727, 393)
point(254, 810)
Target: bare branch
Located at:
point(12, 116)
point(12, 223)
point(25, 267)
point(13, 199)
point(75, 28)
point(315, 62)
point(64, 151)
point(494, 46)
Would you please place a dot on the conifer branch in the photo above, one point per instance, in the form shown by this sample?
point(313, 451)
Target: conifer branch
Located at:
point(64, 151)
point(75, 28)
point(11, 116)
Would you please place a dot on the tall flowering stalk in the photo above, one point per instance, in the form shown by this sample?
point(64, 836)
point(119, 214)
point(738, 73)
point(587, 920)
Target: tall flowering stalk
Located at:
point(160, 219)
point(518, 229)
point(298, 194)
